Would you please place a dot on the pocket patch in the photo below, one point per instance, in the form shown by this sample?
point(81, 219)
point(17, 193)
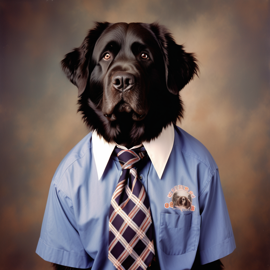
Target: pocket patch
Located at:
point(180, 198)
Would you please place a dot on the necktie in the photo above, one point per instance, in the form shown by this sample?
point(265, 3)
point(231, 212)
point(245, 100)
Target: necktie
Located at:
point(130, 226)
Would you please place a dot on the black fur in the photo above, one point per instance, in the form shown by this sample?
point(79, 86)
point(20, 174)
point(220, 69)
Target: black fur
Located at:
point(76, 63)
point(169, 75)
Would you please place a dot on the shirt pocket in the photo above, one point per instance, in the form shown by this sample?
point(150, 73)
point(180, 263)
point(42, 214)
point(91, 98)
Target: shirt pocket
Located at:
point(179, 232)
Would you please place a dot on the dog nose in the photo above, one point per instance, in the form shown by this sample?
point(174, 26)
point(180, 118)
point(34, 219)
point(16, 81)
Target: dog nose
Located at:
point(123, 81)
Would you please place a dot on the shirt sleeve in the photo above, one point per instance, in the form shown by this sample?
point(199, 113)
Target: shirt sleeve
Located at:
point(216, 237)
point(59, 241)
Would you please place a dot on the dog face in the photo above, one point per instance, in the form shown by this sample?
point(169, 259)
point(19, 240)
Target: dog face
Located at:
point(181, 201)
point(128, 68)
point(129, 77)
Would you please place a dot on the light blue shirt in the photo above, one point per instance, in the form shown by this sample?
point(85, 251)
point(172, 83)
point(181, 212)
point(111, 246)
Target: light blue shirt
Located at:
point(75, 226)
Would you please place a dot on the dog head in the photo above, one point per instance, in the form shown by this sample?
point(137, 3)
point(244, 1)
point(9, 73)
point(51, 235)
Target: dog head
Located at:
point(129, 77)
point(181, 200)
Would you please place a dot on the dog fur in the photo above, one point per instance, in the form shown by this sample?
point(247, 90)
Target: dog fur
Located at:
point(171, 70)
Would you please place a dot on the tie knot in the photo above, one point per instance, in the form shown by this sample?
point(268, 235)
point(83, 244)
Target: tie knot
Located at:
point(128, 157)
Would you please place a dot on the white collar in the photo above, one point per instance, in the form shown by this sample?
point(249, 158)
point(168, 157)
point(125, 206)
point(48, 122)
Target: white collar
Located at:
point(158, 150)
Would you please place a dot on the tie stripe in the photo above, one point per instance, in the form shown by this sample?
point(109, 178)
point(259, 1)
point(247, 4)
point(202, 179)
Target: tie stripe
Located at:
point(130, 223)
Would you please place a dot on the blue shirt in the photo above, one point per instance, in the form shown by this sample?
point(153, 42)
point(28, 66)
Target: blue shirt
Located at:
point(187, 204)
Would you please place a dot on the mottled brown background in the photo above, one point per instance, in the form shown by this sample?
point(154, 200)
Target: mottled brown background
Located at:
point(227, 108)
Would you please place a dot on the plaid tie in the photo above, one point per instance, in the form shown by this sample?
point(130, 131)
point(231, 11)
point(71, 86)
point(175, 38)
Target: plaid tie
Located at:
point(130, 226)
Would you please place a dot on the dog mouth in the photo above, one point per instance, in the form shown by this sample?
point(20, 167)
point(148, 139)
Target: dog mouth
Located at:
point(124, 110)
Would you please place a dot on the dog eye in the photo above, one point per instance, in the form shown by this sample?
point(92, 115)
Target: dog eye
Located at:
point(144, 56)
point(107, 56)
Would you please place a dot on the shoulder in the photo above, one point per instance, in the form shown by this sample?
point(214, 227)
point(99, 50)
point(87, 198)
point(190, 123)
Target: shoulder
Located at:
point(194, 150)
point(76, 155)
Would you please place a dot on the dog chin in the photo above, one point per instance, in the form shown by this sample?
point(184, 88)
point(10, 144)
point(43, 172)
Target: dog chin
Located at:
point(123, 111)
point(128, 116)
point(125, 131)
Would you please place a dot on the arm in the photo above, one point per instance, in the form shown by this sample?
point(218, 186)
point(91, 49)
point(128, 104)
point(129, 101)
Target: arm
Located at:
point(59, 241)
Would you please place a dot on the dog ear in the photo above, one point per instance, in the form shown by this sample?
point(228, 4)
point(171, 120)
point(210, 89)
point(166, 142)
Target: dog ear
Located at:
point(76, 63)
point(180, 66)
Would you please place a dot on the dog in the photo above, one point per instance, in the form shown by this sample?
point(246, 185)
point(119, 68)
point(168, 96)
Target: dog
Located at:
point(125, 78)
point(181, 200)
point(129, 77)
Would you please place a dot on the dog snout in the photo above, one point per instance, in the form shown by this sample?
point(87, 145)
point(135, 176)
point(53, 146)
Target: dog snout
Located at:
point(123, 81)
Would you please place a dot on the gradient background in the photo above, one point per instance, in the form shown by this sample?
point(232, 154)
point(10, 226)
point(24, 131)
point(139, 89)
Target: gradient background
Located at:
point(227, 108)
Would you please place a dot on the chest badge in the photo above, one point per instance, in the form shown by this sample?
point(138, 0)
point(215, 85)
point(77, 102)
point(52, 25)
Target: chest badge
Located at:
point(180, 198)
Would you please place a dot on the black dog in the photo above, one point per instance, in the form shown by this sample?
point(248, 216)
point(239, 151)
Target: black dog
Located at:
point(129, 77)
point(121, 80)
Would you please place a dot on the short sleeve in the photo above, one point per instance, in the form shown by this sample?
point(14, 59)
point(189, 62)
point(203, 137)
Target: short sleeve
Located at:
point(216, 237)
point(59, 241)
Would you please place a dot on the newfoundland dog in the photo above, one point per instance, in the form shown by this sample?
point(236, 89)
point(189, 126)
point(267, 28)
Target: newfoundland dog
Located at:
point(128, 78)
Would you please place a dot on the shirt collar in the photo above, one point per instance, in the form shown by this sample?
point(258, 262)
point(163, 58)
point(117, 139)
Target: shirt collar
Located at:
point(158, 150)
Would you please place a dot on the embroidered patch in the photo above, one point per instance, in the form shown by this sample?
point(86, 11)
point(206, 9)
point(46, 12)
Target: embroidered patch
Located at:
point(181, 198)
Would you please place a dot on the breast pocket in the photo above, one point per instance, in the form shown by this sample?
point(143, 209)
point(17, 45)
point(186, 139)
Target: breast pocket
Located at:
point(179, 232)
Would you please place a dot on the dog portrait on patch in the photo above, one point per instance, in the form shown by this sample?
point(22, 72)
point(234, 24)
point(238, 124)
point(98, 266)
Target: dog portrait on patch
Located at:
point(138, 192)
